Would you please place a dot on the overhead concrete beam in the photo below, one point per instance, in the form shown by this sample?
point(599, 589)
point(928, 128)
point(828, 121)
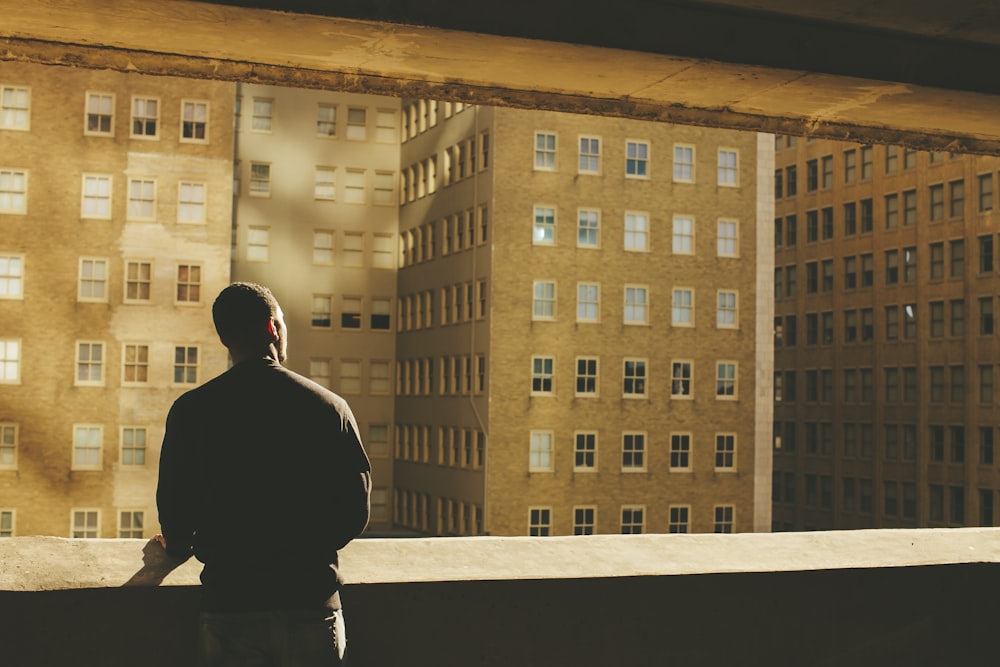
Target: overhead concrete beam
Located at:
point(195, 39)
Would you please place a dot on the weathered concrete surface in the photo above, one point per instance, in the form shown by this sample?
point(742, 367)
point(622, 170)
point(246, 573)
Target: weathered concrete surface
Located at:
point(51, 563)
point(233, 43)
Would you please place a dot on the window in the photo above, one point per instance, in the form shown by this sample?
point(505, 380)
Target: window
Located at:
point(812, 226)
point(326, 120)
point(891, 322)
point(385, 126)
point(728, 239)
point(191, 202)
point(322, 311)
point(728, 167)
point(325, 186)
point(13, 191)
point(260, 179)
point(189, 283)
point(725, 379)
point(937, 202)
point(380, 315)
point(726, 312)
point(957, 320)
point(636, 159)
point(680, 519)
point(544, 301)
point(93, 285)
point(588, 228)
point(323, 247)
point(350, 312)
point(539, 521)
point(725, 451)
point(937, 260)
point(135, 363)
point(87, 440)
point(586, 376)
point(86, 524)
point(850, 272)
point(133, 446)
point(15, 108)
point(633, 520)
point(590, 155)
point(384, 186)
point(96, 202)
point(194, 121)
point(850, 219)
point(680, 379)
point(99, 114)
point(866, 163)
point(636, 303)
point(383, 256)
point(141, 199)
point(541, 375)
point(985, 182)
point(145, 117)
point(354, 249)
point(633, 451)
point(791, 181)
point(986, 254)
point(680, 451)
point(634, 380)
point(186, 364)
point(909, 207)
point(544, 226)
point(779, 183)
point(637, 231)
point(8, 448)
point(354, 186)
point(683, 237)
point(258, 244)
point(867, 270)
point(682, 311)
point(540, 455)
point(956, 199)
point(585, 452)
point(545, 151)
point(867, 216)
point(891, 211)
point(850, 166)
point(130, 523)
point(357, 123)
point(584, 520)
point(11, 276)
point(10, 361)
point(957, 258)
point(909, 264)
point(378, 378)
point(986, 321)
point(263, 113)
point(350, 376)
point(683, 163)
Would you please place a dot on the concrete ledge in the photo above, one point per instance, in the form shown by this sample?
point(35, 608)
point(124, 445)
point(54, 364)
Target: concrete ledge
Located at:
point(865, 598)
point(52, 563)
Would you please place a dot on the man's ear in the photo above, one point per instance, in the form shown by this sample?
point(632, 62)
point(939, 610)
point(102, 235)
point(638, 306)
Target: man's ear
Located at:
point(272, 328)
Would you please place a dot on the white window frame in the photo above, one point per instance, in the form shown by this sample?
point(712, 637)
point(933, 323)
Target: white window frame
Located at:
point(717, 523)
point(644, 377)
point(722, 242)
point(134, 448)
point(326, 123)
point(721, 451)
point(584, 528)
point(144, 101)
point(10, 112)
point(191, 210)
point(684, 455)
point(129, 532)
point(588, 222)
point(356, 131)
point(726, 311)
point(386, 126)
point(184, 365)
point(684, 171)
point(596, 377)
point(10, 366)
point(544, 301)
point(678, 310)
point(543, 370)
point(545, 156)
point(199, 283)
point(384, 187)
point(577, 450)
point(101, 200)
point(103, 281)
point(195, 104)
point(79, 361)
point(683, 240)
point(258, 244)
point(323, 255)
point(99, 96)
point(644, 452)
point(11, 514)
point(85, 511)
point(9, 441)
point(635, 310)
point(678, 380)
point(678, 525)
point(633, 159)
point(632, 525)
point(543, 225)
point(721, 366)
point(12, 276)
point(86, 447)
point(379, 377)
point(353, 248)
point(541, 451)
point(262, 115)
point(634, 233)
point(137, 347)
point(725, 170)
point(583, 306)
point(589, 162)
point(9, 197)
point(542, 529)
point(259, 185)
point(355, 186)
point(143, 199)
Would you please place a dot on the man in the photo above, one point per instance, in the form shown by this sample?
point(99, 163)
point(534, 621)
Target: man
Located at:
point(263, 478)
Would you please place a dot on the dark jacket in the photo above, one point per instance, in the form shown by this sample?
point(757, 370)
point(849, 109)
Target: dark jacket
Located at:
point(263, 476)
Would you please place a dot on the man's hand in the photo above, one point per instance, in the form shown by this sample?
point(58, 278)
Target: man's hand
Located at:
point(161, 540)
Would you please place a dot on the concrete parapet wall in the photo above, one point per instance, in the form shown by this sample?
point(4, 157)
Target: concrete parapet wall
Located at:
point(834, 598)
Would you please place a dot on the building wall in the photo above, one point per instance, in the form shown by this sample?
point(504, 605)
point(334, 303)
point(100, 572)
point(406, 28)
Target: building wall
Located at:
point(286, 131)
point(41, 483)
point(911, 444)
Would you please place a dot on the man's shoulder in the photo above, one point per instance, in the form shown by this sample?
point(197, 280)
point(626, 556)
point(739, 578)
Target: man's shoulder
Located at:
point(312, 387)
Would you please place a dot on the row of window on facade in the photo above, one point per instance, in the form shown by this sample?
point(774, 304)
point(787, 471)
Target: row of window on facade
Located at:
point(422, 115)
point(899, 265)
point(96, 202)
point(93, 278)
point(637, 231)
point(455, 447)
point(460, 302)
point(101, 108)
point(85, 523)
point(459, 231)
point(637, 159)
point(899, 322)
point(91, 363)
point(633, 520)
point(355, 125)
point(944, 384)
point(635, 379)
point(634, 453)
point(458, 162)
point(899, 500)
point(350, 378)
point(898, 209)
point(350, 185)
point(944, 443)
point(452, 517)
point(857, 164)
point(636, 305)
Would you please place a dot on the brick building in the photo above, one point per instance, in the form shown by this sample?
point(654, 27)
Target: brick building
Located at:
point(115, 216)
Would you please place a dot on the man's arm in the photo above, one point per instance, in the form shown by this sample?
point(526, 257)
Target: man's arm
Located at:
point(352, 486)
point(177, 486)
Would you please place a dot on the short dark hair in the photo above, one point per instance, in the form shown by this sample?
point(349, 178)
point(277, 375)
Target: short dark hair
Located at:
point(240, 308)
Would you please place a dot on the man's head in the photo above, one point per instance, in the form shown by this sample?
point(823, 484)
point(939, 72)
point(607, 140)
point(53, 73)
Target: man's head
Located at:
point(249, 321)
